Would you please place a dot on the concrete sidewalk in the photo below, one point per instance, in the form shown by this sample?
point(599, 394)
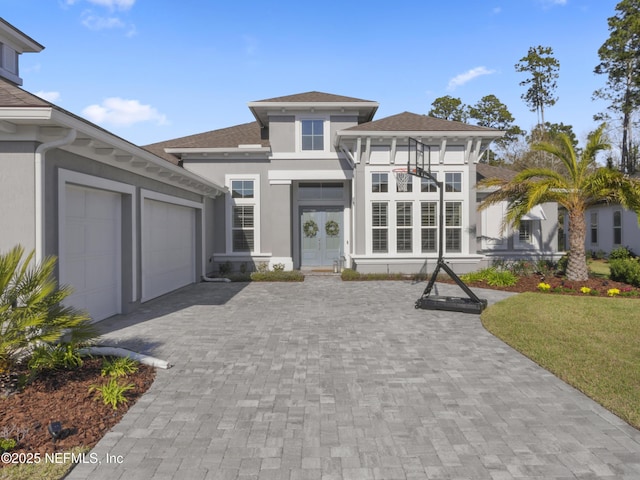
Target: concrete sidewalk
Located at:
point(346, 380)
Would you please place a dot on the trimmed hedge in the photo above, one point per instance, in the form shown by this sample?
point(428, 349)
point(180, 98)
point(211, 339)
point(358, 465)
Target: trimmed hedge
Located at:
point(278, 276)
point(626, 271)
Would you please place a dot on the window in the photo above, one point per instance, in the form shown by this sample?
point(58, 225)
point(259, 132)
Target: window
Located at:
point(379, 182)
point(312, 134)
point(617, 227)
point(429, 226)
point(409, 184)
point(427, 185)
point(404, 230)
point(242, 188)
point(243, 228)
point(379, 223)
point(525, 234)
point(453, 182)
point(321, 191)
point(594, 228)
point(453, 226)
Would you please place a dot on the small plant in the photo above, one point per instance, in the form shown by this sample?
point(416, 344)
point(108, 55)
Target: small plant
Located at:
point(263, 267)
point(243, 268)
point(112, 393)
point(349, 275)
point(585, 290)
point(225, 268)
point(278, 267)
point(492, 276)
point(7, 444)
point(544, 287)
point(53, 357)
point(621, 253)
point(118, 367)
point(15, 432)
point(612, 292)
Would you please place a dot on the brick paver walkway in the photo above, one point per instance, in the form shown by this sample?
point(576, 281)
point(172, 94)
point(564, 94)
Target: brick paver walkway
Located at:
point(332, 380)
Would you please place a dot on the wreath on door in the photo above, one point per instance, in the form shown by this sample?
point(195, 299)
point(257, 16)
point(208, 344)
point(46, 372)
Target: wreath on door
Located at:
point(332, 228)
point(310, 229)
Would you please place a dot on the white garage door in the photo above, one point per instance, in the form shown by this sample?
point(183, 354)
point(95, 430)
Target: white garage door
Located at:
point(168, 248)
point(90, 260)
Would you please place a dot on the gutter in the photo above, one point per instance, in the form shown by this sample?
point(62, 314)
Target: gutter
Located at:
point(39, 161)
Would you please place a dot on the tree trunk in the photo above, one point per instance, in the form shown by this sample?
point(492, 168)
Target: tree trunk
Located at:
point(577, 269)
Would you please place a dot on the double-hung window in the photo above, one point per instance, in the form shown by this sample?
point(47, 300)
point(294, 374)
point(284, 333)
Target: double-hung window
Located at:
point(379, 182)
point(404, 227)
point(453, 226)
point(380, 227)
point(312, 134)
point(617, 227)
point(453, 182)
point(243, 215)
point(594, 228)
point(525, 234)
point(429, 226)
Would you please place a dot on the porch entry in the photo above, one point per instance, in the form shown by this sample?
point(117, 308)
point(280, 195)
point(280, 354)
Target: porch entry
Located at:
point(322, 237)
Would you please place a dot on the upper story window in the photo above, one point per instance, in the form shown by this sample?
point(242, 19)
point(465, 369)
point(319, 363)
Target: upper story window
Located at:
point(427, 185)
point(379, 182)
point(312, 134)
point(242, 188)
point(453, 182)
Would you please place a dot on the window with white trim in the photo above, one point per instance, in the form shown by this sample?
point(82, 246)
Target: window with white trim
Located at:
point(379, 227)
point(594, 228)
point(241, 188)
point(404, 227)
point(312, 134)
point(243, 213)
point(453, 226)
point(429, 226)
point(379, 182)
point(617, 227)
point(453, 182)
point(427, 185)
point(525, 233)
point(243, 228)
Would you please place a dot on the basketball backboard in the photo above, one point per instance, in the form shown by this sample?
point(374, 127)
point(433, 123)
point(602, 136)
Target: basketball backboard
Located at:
point(419, 158)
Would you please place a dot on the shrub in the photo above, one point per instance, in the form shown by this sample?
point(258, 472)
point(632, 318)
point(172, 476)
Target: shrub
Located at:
point(31, 310)
point(112, 393)
point(278, 276)
point(7, 444)
point(626, 271)
point(262, 267)
point(118, 367)
point(562, 263)
point(53, 357)
point(225, 268)
point(492, 276)
point(349, 275)
point(620, 253)
point(278, 267)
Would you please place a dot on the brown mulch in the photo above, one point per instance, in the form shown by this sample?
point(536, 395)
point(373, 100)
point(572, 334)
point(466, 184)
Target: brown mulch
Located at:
point(530, 284)
point(64, 396)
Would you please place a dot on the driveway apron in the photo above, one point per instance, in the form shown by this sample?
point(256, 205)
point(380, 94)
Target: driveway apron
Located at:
point(327, 379)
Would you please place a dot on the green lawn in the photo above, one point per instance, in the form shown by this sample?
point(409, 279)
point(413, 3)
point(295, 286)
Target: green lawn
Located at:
point(599, 268)
point(592, 343)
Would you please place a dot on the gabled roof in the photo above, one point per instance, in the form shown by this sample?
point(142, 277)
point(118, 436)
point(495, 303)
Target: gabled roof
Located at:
point(313, 97)
point(13, 96)
point(413, 122)
point(18, 40)
point(318, 102)
point(230, 137)
point(484, 170)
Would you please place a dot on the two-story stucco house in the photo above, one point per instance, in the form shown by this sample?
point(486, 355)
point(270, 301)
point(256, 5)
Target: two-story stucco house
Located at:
point(309, 184)
point(311, 181)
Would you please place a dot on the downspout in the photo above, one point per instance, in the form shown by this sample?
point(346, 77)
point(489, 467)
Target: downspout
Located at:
point(39, 175)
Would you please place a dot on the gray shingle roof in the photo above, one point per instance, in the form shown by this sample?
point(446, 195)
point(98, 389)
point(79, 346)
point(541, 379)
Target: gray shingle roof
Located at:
point(484, 170)
point(230, 137)
point(13, 96)
point(311, 97)
point(413, 122)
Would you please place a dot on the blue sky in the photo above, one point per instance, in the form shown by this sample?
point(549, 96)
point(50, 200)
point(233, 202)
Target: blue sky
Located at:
point(151, 70)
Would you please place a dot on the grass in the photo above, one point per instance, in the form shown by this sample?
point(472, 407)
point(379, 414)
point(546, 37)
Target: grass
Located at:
point(599, 268)
point(592, 343)
point(45, 470)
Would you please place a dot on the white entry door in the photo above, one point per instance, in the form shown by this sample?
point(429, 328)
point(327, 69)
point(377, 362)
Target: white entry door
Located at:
point(91, 252)
point(168, 248)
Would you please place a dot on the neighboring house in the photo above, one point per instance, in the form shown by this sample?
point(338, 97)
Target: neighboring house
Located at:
point(537, 236)
point(611, 226)
point(125, 225)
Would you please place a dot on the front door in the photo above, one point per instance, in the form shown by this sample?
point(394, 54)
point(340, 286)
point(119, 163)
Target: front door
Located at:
point(321, 235)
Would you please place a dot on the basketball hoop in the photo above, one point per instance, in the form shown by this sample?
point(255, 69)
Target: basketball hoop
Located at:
point(402, 178)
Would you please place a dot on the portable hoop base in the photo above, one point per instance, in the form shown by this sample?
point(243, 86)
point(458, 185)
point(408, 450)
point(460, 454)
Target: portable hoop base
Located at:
point(452, 304)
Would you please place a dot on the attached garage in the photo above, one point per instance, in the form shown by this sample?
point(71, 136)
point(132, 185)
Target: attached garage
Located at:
point(91, 250)
point(168, 244)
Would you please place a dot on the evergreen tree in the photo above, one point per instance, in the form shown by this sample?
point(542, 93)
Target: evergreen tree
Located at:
point(543, 70)
point(449, 108)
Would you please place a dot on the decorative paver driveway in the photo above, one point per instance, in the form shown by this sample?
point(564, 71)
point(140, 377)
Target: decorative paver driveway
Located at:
point(332, 380)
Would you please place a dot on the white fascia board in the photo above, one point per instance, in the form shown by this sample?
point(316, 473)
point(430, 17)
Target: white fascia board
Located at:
point(420, 134)
point(136, 153)
point(306, 105)
point(190, 151)
point(282, 175)
point(26, 113)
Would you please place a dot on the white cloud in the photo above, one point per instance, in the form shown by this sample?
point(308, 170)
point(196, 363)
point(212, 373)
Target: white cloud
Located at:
point(110, 4)
point(96, 22)
point(49, 96)
point(496, 11)
point(552, 3)
point(123, 113)
point(465, 77)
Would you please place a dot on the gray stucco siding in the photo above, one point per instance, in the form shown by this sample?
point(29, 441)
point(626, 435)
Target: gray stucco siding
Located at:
point(17, 195)
point(282, 133)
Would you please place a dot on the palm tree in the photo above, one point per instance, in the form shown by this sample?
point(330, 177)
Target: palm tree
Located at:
point(580, 184)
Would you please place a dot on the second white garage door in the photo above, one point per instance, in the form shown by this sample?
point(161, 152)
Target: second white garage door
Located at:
point(168, 248)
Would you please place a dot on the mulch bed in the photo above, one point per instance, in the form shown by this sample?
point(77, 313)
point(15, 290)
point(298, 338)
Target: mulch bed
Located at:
point(64, 396)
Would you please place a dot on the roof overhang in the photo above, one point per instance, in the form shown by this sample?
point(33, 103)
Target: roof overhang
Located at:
point(18, 40)
point(424, 135)
point(262, 110)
